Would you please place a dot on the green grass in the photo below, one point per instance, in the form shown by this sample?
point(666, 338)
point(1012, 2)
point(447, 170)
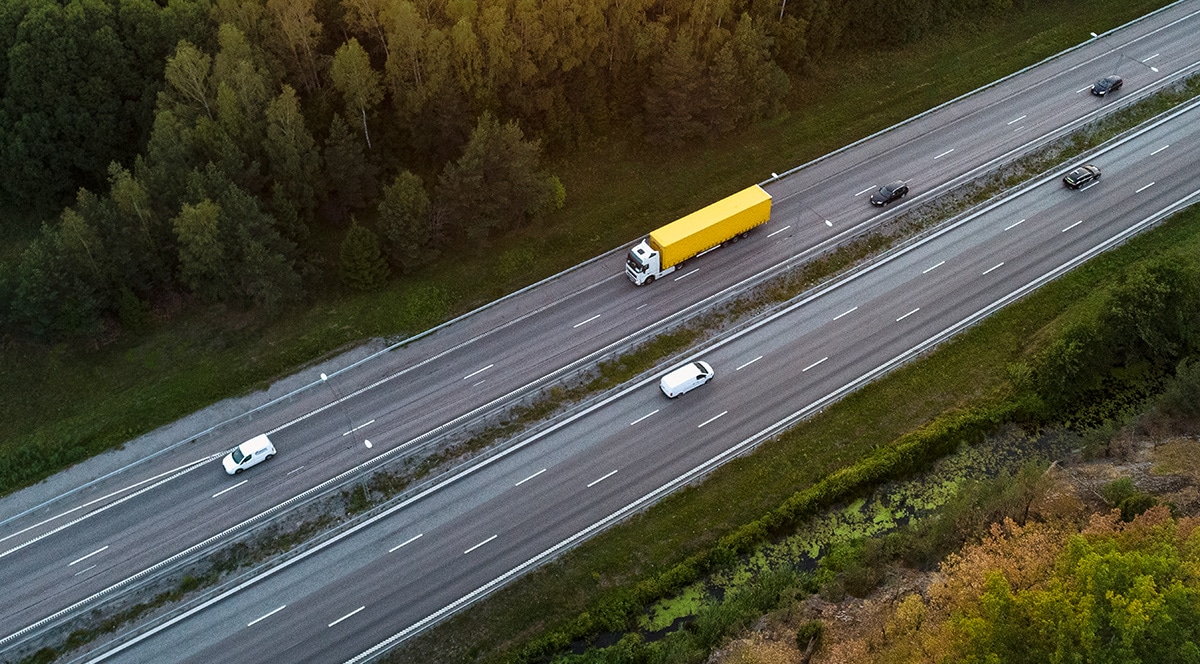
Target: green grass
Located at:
point(969, 370)
point(65, 402)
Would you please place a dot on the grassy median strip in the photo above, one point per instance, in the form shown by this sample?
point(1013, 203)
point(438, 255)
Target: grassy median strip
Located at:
point(55, 415)
point(957, 390)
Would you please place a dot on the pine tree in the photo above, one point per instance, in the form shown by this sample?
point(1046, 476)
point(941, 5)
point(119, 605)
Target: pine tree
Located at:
point(363, 265)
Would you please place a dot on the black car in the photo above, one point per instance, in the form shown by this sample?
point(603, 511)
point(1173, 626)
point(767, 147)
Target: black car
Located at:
point(889, 192)
point(1106, 85)
point(1081, 176)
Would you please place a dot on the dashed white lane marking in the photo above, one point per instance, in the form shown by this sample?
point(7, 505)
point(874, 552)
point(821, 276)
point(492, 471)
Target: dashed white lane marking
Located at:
point(1012, 226)
point(931, 268)
point(944, 153)
point(708, 250)
point(534, 475)
point(1144, 188)
point(265, 616)
point(642, 306)
point(359, 427)
point(1152, 57)
point(994, 267)
point(479, 371)
point(712, 419)
point(773, 234)
point(585, 322)
point(688, 274)
point(1082, 89)
point(643, 417)
point(1071, 226)
point(813, 364)
point(865, 190)
point(595, 482)
point(79, 560)
point(848, 311)
point(346, 616)
point(1094, 183)
point(908, 314)
point(1016, 120)
point(1160, 149)
point(406, 542)
point(296, 470)
point(1018, 129)
point(745, 365)
point(229, 488)
point(85, 569)
point(480, 544)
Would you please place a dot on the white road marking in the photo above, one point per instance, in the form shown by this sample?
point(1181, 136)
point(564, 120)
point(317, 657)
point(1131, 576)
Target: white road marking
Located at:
point(79, 560)
point(688, 274)
point(595, 482)
point(744, 365)
point(264, 617)
point(643, 417)
point(944, 153)
point(996, 266)
point(1094, 183)
point(908, 314)
point(932, 268)
point(85, 569)
point(406, 542)
point(480, 544)
point(1012, 226)
point(709, 421)
point(708, 250)
point(829, 223)
point(1152, 57)
point(478, 372)
point(848, 311)
point(296, 470)
point(773, 234)
point(480, 383)
point(534, 475)
point(1071, 226)
point(346, 616)
point(1018, 129)
point(1082, 89)
point(865, 190)
point(229, 488)
point(1144, 188)
point(1160, 149)
point(358, 427)
point(642, 306)
point(1016, 120)
point(585, 322)
point(813, 364)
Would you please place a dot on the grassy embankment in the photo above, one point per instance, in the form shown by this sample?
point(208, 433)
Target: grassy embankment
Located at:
point(64, 402)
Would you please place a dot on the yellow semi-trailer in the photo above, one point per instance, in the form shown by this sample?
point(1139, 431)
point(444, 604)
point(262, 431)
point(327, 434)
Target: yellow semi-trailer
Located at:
point(727, 220)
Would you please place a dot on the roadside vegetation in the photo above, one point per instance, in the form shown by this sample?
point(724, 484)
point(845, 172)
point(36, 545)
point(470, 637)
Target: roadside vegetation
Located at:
point(171, 337)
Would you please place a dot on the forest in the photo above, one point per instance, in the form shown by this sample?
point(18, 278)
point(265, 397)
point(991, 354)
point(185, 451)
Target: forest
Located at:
point(244, 152)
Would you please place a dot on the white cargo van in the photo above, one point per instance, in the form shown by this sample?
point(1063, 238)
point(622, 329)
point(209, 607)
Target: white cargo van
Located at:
point(250, 453)
point(686, 378)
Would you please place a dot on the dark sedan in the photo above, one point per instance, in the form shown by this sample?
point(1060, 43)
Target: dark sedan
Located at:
point(1106, 85)
point(1081, 176)
point(889, 192)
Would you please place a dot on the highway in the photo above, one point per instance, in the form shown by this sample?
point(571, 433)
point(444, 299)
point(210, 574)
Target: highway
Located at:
point(408, 565)
point(174, 504)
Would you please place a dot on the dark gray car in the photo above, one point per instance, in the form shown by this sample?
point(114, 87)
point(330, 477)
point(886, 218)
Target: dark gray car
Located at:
point(1107, 84)
point(889, 192)
point(1081, 176)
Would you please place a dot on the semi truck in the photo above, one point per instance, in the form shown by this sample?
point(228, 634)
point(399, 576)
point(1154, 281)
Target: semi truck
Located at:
point(727, 220)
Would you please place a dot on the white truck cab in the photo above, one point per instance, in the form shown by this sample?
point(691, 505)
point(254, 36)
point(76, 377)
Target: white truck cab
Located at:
point(686, 378)
point(644, 264)
point(250, 453)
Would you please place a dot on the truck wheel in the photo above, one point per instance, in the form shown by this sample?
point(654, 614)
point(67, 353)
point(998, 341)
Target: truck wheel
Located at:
point(649, 280)
point(734, 239)
point(745, 235)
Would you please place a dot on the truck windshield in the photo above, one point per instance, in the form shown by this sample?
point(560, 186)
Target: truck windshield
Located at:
point(237, 455)
point(635, 263)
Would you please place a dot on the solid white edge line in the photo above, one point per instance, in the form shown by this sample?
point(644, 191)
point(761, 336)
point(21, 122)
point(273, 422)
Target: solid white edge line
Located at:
point(595, 482)
point(229, 488)
point(643, 417)
point(533, 476)
point(813, 364)
point(347, 616)
point(480, 544)
point(264, 617)
point(406, 542)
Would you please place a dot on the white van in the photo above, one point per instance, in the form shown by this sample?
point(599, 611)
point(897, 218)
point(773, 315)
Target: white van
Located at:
point(686, 378)
point(250, 453)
